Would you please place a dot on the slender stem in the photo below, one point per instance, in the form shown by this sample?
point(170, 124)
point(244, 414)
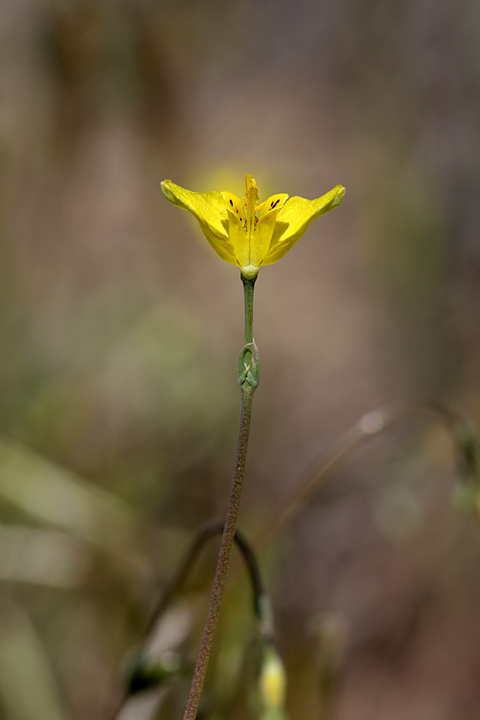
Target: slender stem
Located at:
point(175, 586)
point(261, 605)
point(216, 598)
point(248, 286)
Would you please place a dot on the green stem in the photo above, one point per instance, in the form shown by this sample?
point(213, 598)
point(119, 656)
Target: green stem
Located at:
point(247, 386)
point(248, 286)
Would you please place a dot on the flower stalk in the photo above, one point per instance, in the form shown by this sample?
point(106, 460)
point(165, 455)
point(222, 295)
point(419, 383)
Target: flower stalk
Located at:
point(248, 377)
point(249, 234)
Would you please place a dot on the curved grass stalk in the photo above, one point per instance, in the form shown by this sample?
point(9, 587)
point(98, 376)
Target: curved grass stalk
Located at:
point(466, 448)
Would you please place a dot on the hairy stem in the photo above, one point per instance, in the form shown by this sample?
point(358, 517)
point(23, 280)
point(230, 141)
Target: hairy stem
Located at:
point(221, 573)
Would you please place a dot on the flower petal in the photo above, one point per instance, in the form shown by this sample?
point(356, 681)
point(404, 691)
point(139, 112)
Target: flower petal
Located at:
point(238, 236)
point(294, 219)
point(275, 202)
point(262, 238)
point(233, 203)
point(210, 211)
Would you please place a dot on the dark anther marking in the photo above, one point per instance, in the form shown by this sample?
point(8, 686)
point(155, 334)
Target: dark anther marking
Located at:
point(274, 204)
point(231, 203)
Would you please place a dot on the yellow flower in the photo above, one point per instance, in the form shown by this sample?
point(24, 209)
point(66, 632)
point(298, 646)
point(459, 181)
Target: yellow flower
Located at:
point(272, 681)
point(238, 234)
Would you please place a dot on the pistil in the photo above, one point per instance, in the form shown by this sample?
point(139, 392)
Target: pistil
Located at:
point(251, 201)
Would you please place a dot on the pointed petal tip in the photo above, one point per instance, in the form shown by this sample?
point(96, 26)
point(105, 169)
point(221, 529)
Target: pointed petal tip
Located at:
point(340, 193)
point(166, 189)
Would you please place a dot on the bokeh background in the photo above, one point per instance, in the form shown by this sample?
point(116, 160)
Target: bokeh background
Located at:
point(120, 329)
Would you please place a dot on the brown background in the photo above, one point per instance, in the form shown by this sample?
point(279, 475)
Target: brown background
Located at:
point(120, 330)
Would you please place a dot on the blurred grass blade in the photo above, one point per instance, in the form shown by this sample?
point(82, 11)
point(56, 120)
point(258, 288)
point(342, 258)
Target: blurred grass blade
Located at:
point(27, 687)
point(41, 557)
point(55, 496)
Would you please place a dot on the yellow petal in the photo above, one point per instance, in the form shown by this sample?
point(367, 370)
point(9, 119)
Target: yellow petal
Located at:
point(275, 202)
point(234, 204)
point(237, 224)
point(294, 219)
point(239, 238)
point(210, 211)
point(262, 238)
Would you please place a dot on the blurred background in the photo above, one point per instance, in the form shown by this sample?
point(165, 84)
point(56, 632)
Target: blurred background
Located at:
point(120, 330)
